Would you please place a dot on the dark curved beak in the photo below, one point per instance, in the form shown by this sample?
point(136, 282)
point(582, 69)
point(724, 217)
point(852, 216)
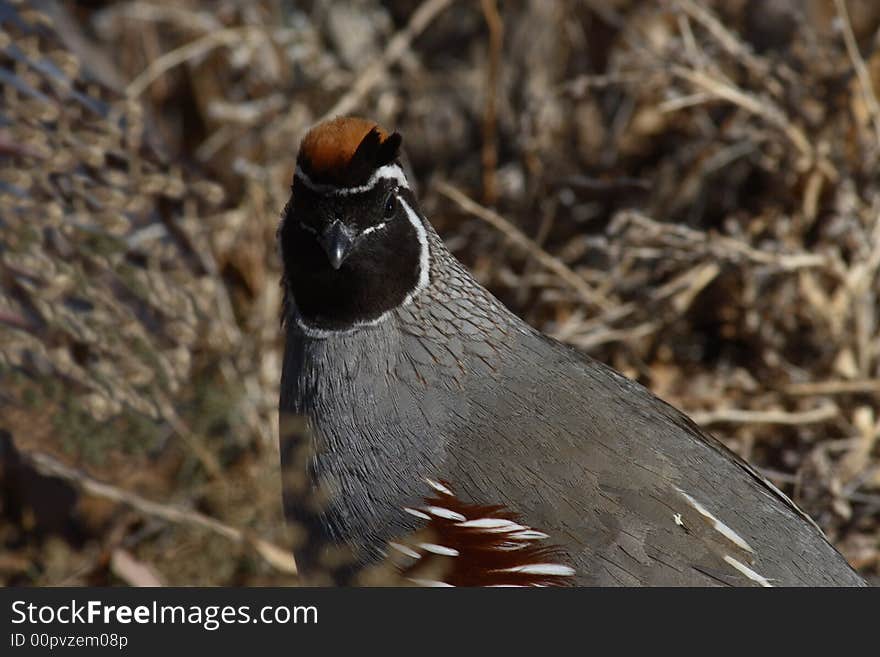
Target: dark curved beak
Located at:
point(337, 241)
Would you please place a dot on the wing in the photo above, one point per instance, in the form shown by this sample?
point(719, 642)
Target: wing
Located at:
point(635, 491)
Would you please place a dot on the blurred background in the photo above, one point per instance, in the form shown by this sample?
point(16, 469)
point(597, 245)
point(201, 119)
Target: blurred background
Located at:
point(685, 189)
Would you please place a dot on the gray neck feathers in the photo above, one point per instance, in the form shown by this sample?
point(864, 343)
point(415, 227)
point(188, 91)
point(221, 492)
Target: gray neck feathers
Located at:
point(363, 396)
point(383, 400)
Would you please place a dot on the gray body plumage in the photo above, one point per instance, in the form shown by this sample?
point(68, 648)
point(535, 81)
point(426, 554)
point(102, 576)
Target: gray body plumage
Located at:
point(453, 386)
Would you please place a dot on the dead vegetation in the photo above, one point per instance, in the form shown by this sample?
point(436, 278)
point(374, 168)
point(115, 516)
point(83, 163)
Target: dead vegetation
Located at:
point(686, 189)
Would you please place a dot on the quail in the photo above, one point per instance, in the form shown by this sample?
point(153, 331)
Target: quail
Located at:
point(425, 399)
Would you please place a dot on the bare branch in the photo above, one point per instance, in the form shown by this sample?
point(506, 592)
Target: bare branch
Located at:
point(822, 413)
point(852, 49)
point(397, 46)
point(279, 558)
point(550, 262)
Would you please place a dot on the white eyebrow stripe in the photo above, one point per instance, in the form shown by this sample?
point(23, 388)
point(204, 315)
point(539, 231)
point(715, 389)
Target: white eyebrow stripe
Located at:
point(387, 172)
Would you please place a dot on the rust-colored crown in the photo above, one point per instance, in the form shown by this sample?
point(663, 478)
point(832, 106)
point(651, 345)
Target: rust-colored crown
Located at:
point(345, 151)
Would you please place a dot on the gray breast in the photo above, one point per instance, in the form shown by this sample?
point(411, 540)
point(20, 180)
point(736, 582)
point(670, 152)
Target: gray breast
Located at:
point(455, 387)
point(629, 486)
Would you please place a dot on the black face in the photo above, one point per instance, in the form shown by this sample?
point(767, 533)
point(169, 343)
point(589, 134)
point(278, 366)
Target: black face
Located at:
point(349, 259)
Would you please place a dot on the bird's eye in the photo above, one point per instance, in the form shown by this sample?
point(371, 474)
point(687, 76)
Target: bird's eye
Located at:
point(390, 205)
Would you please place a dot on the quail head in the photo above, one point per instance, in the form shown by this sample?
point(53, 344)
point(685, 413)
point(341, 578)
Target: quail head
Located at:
point(408, 373)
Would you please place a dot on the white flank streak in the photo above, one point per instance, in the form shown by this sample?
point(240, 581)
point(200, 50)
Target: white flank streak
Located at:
point(387, 172)
point(403, 549)
point(440, 512)
point(719, 526)
point(437, 486)
point(494, 525)
point(485, 523)
point(509, 546)
point(416, 513)
point(530, 535)
point(748, 572)
point(439, 549)
point(490, 523)
point(541, 569)
point(430, 582)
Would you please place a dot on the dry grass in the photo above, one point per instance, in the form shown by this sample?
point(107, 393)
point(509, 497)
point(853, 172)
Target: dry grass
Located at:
point(686, 189)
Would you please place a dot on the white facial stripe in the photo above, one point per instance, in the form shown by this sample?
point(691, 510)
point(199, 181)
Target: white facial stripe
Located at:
point(424, 252)
point(387, 172)
point(363, 233)
point(373, 229)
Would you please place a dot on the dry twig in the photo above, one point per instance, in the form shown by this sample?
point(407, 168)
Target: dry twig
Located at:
point(397, 46)
point(761, 107)
point(727, 248)
point(490, 127)
point(834, 387)
point(550, 262)
point(279, 558)
point(822, 413)
point(729, 41)
point(852, 48)
point(192, 50)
